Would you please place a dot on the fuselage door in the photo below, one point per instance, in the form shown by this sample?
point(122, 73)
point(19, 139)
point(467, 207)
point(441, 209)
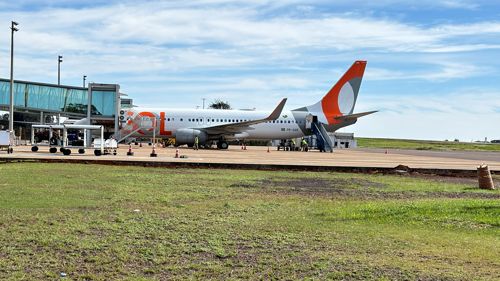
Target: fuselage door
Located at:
point(309, 120)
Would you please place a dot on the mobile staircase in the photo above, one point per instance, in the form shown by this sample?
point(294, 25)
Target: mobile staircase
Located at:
point(323, 140)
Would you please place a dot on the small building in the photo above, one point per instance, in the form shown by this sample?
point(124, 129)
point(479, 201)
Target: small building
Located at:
point(343, 140)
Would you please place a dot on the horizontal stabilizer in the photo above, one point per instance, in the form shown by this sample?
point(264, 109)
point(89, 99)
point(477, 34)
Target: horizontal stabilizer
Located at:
point(354, 116)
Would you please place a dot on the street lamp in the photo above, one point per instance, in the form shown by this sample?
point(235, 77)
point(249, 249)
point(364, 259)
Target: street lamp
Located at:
point(84, 78)
point(11, 105)
point(59, 60)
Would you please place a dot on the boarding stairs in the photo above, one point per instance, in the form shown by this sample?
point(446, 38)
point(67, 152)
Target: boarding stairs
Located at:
point(323, 140)
point(129, 134)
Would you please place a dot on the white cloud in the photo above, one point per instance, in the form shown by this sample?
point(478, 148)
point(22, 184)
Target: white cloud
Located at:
point(441, 71)
point(468, 115)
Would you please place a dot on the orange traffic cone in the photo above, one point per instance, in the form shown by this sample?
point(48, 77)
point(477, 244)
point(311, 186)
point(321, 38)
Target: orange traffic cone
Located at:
point(177, 153)
point(140, 144)
point(268, 149)
point(153, 153)
point(244, 147)
point(386, 151)
point(130, 153)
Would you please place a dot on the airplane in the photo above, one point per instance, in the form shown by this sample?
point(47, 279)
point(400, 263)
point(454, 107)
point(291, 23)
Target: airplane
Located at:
point(333, 111)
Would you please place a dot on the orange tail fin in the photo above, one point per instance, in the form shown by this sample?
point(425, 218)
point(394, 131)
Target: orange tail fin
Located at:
point(341, 98)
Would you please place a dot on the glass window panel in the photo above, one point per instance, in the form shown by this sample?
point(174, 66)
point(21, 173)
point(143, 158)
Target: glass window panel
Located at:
point(76, 101)
point(4, 92)
point(19, 94)
point(103, 103)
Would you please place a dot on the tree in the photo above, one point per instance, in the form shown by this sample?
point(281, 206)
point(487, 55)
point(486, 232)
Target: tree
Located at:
point(219, 104)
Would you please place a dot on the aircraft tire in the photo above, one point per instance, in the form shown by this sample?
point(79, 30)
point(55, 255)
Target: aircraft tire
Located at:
point(66, 151)
point(34, 148)
point(97, 152)
point(223, 145)
point(81, 151)
point(53, 150)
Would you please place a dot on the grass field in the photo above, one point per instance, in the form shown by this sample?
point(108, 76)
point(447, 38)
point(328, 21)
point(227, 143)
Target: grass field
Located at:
point(425, 145)
point(103, 222)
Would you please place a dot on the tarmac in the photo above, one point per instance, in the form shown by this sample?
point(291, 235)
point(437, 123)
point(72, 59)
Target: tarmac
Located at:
point(258, 157)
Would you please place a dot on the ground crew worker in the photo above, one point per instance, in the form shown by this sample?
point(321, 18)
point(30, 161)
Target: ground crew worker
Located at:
point(196, 141)
point(292, 145)
point(304, 144)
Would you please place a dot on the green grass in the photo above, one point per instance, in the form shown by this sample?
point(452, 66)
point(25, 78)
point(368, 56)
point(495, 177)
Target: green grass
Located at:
point(425, 145)
point(104, 222)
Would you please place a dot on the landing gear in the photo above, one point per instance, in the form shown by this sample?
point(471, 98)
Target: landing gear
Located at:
point(53, 150)
point(34, 148)
point(222, 144)
point(81, 151)
point(66, 151)
point(97, 152)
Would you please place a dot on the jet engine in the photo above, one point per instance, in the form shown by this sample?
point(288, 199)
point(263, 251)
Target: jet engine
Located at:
point(186, 136)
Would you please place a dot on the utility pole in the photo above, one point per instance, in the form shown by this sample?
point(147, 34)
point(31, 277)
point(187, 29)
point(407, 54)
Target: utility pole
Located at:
point(11, 105)
point(203, 103)
point(59, 60)
point(84, 78)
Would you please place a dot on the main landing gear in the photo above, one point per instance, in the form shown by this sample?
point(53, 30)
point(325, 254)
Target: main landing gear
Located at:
point(222, 144)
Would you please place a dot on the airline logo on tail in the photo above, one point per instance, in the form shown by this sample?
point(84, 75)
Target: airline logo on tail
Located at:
point(341, 98)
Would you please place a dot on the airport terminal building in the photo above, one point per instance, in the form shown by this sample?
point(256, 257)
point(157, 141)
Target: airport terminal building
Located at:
point(41, 103)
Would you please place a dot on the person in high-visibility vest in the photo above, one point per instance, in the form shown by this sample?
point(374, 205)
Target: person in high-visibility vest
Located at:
point(196, 141)
point(292, 145)
point(304, 144)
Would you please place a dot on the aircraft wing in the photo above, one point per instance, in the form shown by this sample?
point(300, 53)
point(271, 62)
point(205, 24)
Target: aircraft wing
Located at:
point(238, 127)
point(354, 116)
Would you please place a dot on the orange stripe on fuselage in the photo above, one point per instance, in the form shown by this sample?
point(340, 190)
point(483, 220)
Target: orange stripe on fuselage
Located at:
point(330, 103)
point(144, 114)
point(163, 132)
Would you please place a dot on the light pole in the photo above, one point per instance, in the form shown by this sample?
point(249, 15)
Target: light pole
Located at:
point(203, 103)
point(84, 78)
point(59, 60)
point(11, 105)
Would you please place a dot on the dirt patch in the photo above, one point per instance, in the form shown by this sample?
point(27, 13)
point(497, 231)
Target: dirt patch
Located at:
point(309, 186)
point(352, 188)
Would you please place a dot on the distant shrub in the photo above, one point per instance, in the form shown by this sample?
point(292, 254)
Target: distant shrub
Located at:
point(424, 148)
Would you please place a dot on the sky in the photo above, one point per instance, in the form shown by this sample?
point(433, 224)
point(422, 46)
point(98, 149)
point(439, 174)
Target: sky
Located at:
point(433, 66)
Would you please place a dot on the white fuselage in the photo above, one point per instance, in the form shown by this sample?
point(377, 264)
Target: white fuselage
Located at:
point(285, 127)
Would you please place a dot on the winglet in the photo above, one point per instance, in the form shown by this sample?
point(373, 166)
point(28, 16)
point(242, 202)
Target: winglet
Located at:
point(277, 111)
